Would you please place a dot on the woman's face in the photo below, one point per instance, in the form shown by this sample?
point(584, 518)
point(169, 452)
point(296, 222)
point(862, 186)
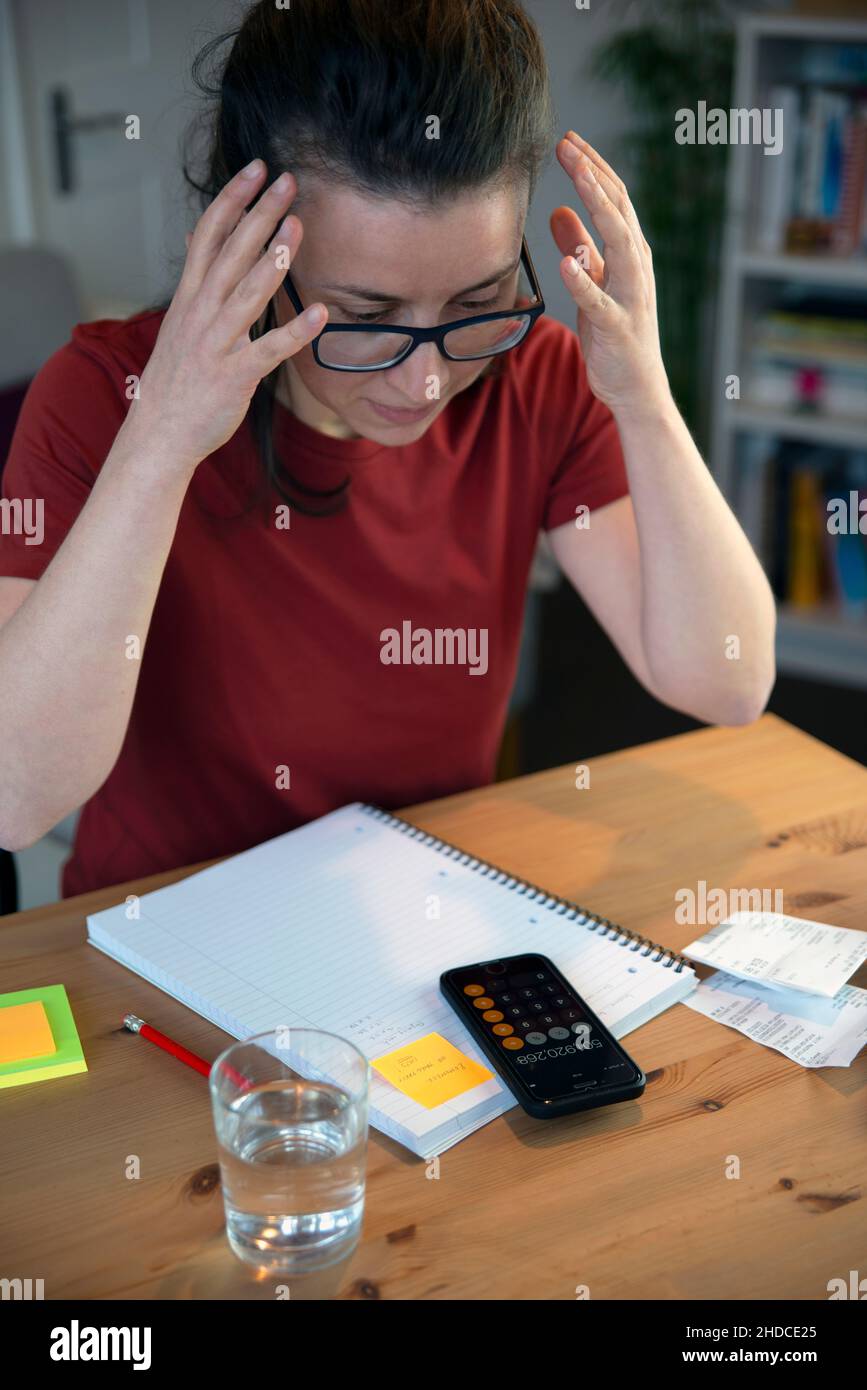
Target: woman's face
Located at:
point(377, 261)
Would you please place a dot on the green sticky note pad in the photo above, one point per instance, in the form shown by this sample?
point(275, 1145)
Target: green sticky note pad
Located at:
point(67, 1057)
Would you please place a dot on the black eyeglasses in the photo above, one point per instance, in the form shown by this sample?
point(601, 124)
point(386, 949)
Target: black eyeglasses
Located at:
point(371, 347)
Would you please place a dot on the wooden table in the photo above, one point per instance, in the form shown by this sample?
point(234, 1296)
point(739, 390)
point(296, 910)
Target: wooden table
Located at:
point(631, 1201)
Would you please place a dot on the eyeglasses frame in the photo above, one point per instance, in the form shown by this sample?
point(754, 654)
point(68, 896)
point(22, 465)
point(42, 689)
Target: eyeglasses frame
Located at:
point(426, 335)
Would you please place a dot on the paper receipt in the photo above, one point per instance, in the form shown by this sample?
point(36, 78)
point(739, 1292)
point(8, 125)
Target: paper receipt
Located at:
point(789, 952)
point(811, 1031)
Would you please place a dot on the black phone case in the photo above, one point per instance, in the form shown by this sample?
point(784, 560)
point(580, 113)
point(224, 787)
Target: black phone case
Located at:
point(540, 1110)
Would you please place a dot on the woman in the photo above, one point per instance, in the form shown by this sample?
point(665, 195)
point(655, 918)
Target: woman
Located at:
point(268, 578)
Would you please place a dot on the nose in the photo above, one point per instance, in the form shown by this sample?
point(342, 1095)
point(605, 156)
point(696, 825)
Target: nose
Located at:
point(423, 376)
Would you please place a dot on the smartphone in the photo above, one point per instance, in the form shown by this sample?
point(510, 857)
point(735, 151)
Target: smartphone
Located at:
point(548, 1046)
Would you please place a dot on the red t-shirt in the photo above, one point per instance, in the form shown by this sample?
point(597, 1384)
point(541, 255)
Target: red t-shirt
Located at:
point(263, 699)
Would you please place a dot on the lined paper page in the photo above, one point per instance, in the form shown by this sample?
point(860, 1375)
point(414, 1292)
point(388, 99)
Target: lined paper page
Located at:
point(346, 925)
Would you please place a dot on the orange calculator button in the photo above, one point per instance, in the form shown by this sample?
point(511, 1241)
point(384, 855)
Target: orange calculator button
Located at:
point(474, 989)
point(502, 1030)
point(493, 1016)
point(513, 1043)
point(483, 1003)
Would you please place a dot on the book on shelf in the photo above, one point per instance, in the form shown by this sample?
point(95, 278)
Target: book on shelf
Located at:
point(810, 352)
point(813, 194)
point(806, 546)
point(804, 509)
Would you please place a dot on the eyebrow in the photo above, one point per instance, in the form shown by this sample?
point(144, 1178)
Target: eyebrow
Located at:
point(378, 297)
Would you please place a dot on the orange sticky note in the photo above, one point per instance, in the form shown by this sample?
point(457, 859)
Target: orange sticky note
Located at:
point(25, 1032)
point(431, 1070)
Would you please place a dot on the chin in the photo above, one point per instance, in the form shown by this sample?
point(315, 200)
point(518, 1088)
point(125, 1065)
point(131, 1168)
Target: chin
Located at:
point(368, 424)
point(398, 436)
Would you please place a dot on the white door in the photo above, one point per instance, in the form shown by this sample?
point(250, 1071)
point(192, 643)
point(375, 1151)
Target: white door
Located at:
point(116, 205)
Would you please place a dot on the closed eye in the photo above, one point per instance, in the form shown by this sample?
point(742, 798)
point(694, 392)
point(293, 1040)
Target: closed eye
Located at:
point(480, 305)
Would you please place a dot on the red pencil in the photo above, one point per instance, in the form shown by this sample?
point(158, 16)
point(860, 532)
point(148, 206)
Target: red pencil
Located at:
point(183, 1054)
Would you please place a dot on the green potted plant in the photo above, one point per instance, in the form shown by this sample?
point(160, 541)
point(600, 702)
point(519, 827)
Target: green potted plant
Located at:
point(677, 53)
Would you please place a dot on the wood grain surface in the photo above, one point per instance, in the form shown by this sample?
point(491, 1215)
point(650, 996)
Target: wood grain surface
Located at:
point(630, 1202)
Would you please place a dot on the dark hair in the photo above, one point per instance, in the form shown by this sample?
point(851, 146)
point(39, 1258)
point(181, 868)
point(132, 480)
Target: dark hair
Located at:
point(345, 88)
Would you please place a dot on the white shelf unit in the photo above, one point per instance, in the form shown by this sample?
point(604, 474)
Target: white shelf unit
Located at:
point(821, 643)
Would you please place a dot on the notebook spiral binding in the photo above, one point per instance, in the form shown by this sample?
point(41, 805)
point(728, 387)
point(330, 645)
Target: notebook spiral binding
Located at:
point(571, 911)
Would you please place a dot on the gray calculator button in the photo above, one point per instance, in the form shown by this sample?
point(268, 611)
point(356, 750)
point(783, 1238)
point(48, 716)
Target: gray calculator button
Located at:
point(558, 1034)
point(535, 1039)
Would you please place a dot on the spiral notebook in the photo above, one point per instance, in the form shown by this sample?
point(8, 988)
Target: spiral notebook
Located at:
point(346, 925)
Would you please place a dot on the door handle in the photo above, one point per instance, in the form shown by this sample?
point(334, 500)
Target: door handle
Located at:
point(65, 126)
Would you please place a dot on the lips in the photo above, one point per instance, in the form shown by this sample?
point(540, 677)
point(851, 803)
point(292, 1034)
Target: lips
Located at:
point(398, 415)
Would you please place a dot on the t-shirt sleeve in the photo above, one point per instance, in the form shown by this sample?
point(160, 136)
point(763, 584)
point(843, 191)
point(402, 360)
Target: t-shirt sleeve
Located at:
point(65, 428)
point(591, 470)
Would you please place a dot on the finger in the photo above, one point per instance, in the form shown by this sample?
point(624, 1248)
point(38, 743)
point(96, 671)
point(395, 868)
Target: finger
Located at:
point(267, 352)
point(243, 248)
point(218, 221)
point(253, 291)
point(590, 298)
point(613, 185)
point(587, 149)
point(620, 252)
point(573, 239)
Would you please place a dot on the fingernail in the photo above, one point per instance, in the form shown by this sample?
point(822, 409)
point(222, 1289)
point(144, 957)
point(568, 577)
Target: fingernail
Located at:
point(314, 315)
point(570, 154)
point(572, 266)
point(280, 185)
point(252, 169)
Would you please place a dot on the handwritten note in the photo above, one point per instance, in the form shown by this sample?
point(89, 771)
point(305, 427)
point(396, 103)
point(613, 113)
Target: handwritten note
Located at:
point(431, 1070)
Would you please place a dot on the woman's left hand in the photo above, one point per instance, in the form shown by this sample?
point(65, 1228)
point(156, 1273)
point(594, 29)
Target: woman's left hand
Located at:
point(615, 292)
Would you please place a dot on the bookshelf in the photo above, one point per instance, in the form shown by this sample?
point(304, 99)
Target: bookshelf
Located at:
point(824, 640)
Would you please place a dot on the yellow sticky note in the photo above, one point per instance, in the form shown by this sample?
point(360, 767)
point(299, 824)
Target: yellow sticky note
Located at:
point(431, 1070)
point(25, 1032)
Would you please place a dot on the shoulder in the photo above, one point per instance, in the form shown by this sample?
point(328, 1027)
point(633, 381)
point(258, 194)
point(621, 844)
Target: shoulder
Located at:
point(78, 399)
point(548, 342)
point(547, 369)
point(96, 360)
point(537, 395)
point(545, 382)
point(571, 434)
point(117, 346)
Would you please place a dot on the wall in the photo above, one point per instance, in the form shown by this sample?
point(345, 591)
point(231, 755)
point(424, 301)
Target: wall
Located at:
point(583, 104)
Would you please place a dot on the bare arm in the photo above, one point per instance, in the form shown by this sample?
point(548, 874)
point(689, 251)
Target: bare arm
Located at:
point(672, 578)
point(66, 680)
point(66, 684)
point(668, 570)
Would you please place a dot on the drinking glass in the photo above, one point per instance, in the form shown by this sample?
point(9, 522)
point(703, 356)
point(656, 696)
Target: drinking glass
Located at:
point(290, 1111)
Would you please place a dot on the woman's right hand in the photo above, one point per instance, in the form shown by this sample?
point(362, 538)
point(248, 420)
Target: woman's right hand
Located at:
point(204, 368)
